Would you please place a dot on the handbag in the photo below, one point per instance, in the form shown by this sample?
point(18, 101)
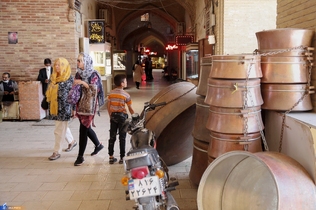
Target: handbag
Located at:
point(74, 94)
point(88, 101)
point(44, 103)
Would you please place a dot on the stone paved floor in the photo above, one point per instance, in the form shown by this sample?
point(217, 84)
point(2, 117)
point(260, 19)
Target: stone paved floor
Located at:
point(29, 180)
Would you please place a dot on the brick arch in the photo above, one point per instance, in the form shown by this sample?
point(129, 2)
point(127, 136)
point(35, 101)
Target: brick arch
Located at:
point(147, 38)
point(152, 9)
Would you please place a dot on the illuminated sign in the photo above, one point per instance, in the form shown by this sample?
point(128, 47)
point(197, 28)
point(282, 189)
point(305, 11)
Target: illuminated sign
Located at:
point(184, 40)
point(96, 32)
point(171, 47)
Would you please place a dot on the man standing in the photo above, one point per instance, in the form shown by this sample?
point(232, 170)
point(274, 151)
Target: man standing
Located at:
point(150, 69)
point(8, 88)
point(44, 74)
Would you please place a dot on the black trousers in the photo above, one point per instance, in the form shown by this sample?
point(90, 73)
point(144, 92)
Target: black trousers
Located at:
point(84, 133)
point(116, 123)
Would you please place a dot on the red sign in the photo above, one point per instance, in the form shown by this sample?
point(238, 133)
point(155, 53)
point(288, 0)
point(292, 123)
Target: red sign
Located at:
point(172, 47)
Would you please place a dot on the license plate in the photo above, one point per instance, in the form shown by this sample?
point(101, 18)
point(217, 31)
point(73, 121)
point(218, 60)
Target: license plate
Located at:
point(148, 186)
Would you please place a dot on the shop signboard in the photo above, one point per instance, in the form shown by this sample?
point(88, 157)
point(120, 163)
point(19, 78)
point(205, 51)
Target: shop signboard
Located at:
point(96, 31)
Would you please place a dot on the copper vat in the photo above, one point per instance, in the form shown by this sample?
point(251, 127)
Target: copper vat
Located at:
point(210, 160)
point(173, 123)
point(199, 161)
point(283, 97)
point(222, 143)
point(230, 93)
point(284, 38)
point(235, 120)
point(205, 69)
point(284, 69)
point(236, 67)
point(242, 180)
point(200, 131)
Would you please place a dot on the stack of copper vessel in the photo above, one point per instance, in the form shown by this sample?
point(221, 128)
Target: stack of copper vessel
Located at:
point(235, 100)
point(286, 68)
point(201, 135)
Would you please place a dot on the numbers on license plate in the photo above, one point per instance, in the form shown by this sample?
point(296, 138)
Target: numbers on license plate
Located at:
point(148, 186)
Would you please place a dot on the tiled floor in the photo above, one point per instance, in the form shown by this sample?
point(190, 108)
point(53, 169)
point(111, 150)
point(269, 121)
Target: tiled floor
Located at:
point(29, 180)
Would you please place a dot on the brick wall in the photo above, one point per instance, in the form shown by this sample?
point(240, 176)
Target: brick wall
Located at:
point(46, 29)
point(299, 14)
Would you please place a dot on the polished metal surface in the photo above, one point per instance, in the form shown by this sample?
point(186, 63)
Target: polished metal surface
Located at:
point(284, 38)
point(230, 93)
point(205, 69)
point(284, 69)
point(236, 67)
point(199, 161)
point(200, 132)
point(234, 120)
point(242, 180)
point(222, 143)
point(282, 97)
point(173, 123)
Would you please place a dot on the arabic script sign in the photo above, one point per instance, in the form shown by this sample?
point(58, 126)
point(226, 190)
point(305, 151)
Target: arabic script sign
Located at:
point(96, 32)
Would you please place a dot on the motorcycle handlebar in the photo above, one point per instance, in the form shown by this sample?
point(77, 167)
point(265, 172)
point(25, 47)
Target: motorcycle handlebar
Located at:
point(159, 104)
point(153, 106)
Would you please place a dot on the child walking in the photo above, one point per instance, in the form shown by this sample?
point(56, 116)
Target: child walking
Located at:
point(117, 100)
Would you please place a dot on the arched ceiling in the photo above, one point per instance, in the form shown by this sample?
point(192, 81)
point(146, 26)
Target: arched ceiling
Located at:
point(124, 12)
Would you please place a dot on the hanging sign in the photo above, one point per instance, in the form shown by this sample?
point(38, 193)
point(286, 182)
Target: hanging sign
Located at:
point(184, 40)
point(96, 32)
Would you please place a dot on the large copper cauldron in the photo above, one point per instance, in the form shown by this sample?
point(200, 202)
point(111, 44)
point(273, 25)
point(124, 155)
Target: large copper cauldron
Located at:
point(234, 120)
point(230, 93)
point(173, 123)
point(242, 180)
point(284, 38)
point(199, 161)
point(222, 143)
point(283, 97)
point(205, 69)
point(284, 69)
point(200, 132)
point(236, 67)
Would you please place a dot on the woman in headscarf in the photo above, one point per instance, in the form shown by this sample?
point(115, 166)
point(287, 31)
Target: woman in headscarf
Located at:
point(87, 75)
point(60, 110)
point(138, 72)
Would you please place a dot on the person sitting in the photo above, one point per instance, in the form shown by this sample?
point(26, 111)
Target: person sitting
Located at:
point(8, 88)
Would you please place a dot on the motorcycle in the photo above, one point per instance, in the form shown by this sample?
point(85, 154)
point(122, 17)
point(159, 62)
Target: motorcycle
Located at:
point(146, 174)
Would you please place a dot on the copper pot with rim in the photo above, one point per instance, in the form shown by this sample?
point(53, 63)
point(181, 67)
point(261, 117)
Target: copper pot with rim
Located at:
point(235, 120)
point(284, 69)
point(199, 131)
point(205, 70)
point(283, 97)
point(236, 66)
point(199, 161)
point(284, 38)
point(242, 180)
point(230, 93)
point(222, 143)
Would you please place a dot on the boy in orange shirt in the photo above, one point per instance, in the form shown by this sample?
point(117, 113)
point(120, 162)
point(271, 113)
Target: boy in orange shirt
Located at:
point(117, 100)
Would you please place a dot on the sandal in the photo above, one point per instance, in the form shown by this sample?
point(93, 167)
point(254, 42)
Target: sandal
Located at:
point(112, 160)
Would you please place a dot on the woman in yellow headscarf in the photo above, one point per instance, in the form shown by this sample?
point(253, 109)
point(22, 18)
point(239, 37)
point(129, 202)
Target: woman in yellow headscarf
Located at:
point(60, 110)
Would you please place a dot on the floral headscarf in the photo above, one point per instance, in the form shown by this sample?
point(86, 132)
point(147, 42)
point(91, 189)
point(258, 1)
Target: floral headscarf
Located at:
point(52, 90)
point(88, 67)
point(86, 73)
